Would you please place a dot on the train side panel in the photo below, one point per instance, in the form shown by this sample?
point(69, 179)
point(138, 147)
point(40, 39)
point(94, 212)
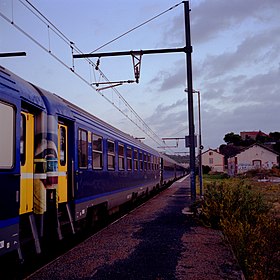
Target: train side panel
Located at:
point(109, 169)
point(9, 174)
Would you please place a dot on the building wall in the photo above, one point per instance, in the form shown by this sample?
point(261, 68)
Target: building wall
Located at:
point(213, 159)
point(255, 157)
point(232, 166)
point(251, 134)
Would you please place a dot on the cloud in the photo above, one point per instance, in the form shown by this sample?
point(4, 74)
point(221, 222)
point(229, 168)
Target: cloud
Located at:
point(211, 18)
point(235, 65)
point(246, 117)
point(163, 110)
point(256, 50)
point(167, 120)
point(262, 88)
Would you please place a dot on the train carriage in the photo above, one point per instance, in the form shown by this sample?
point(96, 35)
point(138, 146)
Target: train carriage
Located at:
point(19, 103)
point(111, 165)
point(172, 170)
point(58, 164)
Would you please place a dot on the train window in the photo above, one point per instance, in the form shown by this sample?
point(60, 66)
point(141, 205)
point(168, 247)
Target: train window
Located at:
point(62, 144)
point(121, 156)
point(22, 139)
point(141, 160)
point(83, 148)
point(7, 139)
point(145, 161)
point(111, 154)
point(129, 158)
point(156, 163)
point(149, 162)
point(97, 152)
point(135, 155)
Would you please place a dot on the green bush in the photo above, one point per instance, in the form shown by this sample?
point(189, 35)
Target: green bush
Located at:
point(244, 218)
point(206, 169)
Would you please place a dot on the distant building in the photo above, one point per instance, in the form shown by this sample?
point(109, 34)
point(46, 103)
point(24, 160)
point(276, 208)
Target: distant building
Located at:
point(253, 157)
point(214, 160)
point(245, 135)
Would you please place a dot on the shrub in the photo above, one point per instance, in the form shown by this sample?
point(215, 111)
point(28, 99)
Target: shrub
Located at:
point(244, 218)
point(206, 169)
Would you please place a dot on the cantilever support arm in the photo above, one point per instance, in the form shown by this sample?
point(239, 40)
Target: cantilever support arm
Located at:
point(136, 57)
point(12, 54)
point(139, 52)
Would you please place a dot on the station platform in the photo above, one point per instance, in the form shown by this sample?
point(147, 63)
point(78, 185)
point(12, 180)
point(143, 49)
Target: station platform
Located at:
point(156, 241)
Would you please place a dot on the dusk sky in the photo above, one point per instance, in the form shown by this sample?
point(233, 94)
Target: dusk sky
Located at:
point(235, 61)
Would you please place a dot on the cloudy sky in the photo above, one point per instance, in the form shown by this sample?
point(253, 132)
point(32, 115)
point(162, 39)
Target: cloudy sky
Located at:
point(235, 61)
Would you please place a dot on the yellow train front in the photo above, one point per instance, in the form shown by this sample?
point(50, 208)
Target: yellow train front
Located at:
point(59, 164)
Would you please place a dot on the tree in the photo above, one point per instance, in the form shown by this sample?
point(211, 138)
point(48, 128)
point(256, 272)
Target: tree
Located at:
point(275, 136)
point(232, 138)
point(229, 150)
point(261, 138)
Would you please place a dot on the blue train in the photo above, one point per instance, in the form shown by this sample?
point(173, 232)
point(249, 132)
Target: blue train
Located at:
point(61, 165)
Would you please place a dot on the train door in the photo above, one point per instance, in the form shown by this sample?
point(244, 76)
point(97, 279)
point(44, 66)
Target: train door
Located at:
point(62, 163)
point(26, 160)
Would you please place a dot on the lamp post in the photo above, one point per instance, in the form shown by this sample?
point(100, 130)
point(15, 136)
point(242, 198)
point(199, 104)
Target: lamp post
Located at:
point(200, 147)
point(189, 91)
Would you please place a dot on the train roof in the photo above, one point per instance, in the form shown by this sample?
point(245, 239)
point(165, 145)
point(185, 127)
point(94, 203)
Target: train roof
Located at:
point(79, 112)
point(170, 160)
point(14, 87)
point(55, 105)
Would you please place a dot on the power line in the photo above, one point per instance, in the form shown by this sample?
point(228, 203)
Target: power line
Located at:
point(136, 27)
point(139, 122)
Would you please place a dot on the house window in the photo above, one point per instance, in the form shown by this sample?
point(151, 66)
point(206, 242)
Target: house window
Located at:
point(83, 148)
point(210, 153)
point(97, 152)
point(211, 161)
point(257, 164)
point(111, 154)
point(121, 156)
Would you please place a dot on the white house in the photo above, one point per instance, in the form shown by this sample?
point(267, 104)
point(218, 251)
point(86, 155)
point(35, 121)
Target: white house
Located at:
point(252, 157)
point(214, 160)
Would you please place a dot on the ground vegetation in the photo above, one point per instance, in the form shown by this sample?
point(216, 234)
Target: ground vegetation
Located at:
point(247, 210)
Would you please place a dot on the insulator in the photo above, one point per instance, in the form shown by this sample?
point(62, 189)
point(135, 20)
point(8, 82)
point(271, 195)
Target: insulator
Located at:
point(97, 64)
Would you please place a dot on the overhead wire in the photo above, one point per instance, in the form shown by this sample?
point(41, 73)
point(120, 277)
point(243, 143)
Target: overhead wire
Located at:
point(136, 27)
point(55, 29)
point(51, 26)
